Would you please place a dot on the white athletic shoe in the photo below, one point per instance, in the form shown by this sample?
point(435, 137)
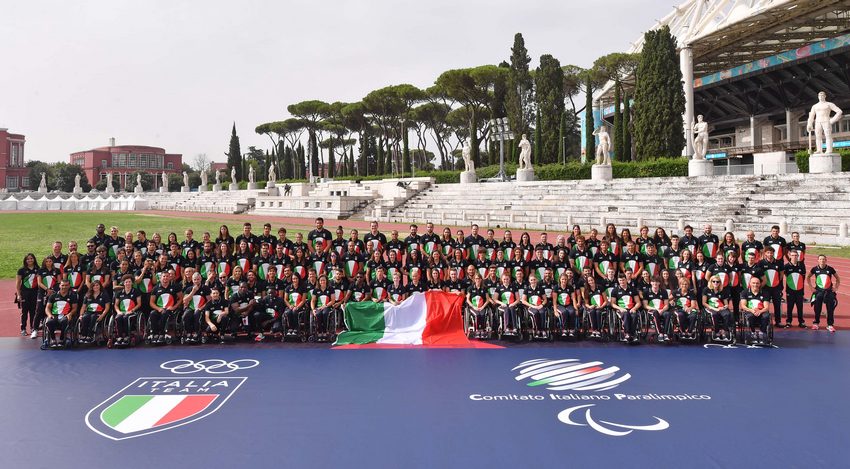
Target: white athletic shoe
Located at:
point(34, 334)
point(830, 328)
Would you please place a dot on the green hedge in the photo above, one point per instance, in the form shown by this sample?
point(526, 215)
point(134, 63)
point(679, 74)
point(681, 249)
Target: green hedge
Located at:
point(802, 159)
point(661, 167)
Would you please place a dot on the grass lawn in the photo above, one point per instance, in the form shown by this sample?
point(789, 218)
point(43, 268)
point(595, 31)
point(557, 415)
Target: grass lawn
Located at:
point(21, 233)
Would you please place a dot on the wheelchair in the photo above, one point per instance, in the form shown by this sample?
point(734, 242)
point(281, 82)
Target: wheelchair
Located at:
point(299, 329)
point(729, 334)
point(475, 327)
point(516, 333)
point(135, 330)
point(693, 333)
point(584, 328)
point(69, 332)
point(99, 334)
point(648, 321)
point(539, 328)
point(171, 329)
point(757, 338)
point(329, 323)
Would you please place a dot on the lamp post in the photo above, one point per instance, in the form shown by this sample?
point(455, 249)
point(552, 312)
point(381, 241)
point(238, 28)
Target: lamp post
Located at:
point(502, 131)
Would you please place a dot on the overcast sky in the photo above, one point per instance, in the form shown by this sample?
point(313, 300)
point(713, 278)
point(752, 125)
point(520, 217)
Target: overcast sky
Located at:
point(177, 74)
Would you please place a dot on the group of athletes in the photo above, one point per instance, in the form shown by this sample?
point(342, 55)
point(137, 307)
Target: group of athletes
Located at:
point(133, 287)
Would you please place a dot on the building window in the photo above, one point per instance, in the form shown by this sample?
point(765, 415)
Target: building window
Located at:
point(11, 182)
point(14, 160)
point(143, 160)
point(170, 165)
point(25, 181)
point(103, 164)
point(132, 160)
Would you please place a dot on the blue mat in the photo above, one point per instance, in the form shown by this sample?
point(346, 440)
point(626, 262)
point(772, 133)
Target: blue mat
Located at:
point(305, 407)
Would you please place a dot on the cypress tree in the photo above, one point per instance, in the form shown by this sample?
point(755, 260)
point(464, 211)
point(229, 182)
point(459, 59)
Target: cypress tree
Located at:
point(538, 147)
point(380, 159)
point(234, 154)
point(627, 133)
point(287, 170)
point(659, 98)
point(549, 98)
point(520, 90)
point(351, 161)
point(405, 158)
point(300, 159)
point(331, 158)
point(314, 156)
point(562, 134)
point(618, 123)
point(589, 138)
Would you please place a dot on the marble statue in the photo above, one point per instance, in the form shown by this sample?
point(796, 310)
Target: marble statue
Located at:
point(233, 175)
point(467, 155)
point(700, 128)
point(139, 181)
point(525, 153)
point(218, 177)
point(603, 149)
point(251, 174)
point(164, 179)
point(204, 178)
point(77, 182)
point(109, 180)
point(821, 124)
point(42, 186)
point(185, 179)
point(272, 175)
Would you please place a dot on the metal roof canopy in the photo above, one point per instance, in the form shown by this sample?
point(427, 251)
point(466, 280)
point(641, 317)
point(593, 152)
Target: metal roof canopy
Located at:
point(771, 91)
point(726, 33)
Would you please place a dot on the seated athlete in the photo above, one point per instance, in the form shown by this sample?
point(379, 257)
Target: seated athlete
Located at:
point(535, 301)
point(564, 297)
point(625, 301)
point(507, 300)
point(217, 315)
point(656, 302)
point(686, 308)
point(755, 303)
point(268, 313)
point(715, 300)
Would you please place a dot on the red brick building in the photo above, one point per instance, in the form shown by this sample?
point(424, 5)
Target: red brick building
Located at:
point(14, 174)
point(125, 160)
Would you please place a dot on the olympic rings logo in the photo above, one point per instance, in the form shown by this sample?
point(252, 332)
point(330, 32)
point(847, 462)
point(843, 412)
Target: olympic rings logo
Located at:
point(213, 366)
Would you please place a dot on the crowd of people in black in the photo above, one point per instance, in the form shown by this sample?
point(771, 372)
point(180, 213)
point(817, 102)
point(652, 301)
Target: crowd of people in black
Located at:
point(120, 289)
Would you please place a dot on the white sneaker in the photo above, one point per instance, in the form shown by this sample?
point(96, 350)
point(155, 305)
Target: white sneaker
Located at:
point(830, 328)
point(23, 333)
point(815, 327)
point(34, 334)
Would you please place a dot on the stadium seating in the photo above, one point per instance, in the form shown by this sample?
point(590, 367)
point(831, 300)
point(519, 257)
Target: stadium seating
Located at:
point(210, 202)
point(808, 203)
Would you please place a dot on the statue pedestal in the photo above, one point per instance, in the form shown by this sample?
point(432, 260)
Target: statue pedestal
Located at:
point(468, 177)
point(78, 190)
point(202, 188)
point(824, 163)
point(525, 175)
point(700, 168)
point(252, 186)
point(270, 185)
point(185, 189)
point(216, 187)
point(109, 190)
point(601, 173)
point(138, 190)
point(163, 189)
point(233, 187)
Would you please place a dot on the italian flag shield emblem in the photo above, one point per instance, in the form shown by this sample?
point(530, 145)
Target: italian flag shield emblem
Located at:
point(244, 263)
point(146, 406)
point(596, 300)
point(145, 285)
point(683, 302)
point(477, 301)
point(626, 302)
point(197, 302)
point(223, 268)
point(656, 303)
point(581, 263)
point(206, 268)
point(771, 278)
point(673, 262)
point(794, 281)
point(429, 247)
point(28, 281)
point(709, 249)
point(165, 301)
point(61, 307)
point(716, 303)
point(76, 279)
point(823, 281)
point(379, 293)
point(508, 297)
point(300, 270)
point(126, 305)
point(535, 300)
point(351, 268)
point(263, 271)
point(604, 267)
point(563, 299)
point(755, 304)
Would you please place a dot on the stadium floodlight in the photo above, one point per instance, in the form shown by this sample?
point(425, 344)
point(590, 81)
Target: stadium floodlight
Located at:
point(502, 131)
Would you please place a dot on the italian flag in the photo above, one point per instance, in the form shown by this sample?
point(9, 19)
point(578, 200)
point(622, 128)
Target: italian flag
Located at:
point(626, 302)
point(113, 251)
point(319, 266)
point(683, 302)
point(823, 281)
point(28, 281)
point(206, 268)
point(477, 301)
point(224, 268)
point(263, 271)
point(133, 413)
point(244, 263)
point(564, 299)
point(322, 300)
point(448, 250)
point(604, 267)
point(76, 279)
point(429, 247)
point(351, 268)
point(165, 301)
point(653, 268)
point(581, 262)
point(145, 285)
point(126, 305)
point(94, 307)
point(61, 307)
point(596, 300)
point(376, 244)
point(673, 262)
point(771, 278)
point(535, 300)
point(509, 252)
point(755, 304)
point(716, 303)
point(540, 272)
point(709, 249)
point(198, 302)
point(656, 303)
point(300, 270)
point(430, 318)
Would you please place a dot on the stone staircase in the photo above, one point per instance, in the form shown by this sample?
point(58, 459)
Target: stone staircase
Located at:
point(815, 205)
point(209, 202)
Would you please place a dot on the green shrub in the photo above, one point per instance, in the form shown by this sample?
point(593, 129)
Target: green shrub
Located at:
point(802, 159)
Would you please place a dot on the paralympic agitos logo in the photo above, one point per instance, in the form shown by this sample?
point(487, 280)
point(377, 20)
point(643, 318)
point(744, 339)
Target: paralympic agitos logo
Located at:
point(578, 378)
point(153, 404)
